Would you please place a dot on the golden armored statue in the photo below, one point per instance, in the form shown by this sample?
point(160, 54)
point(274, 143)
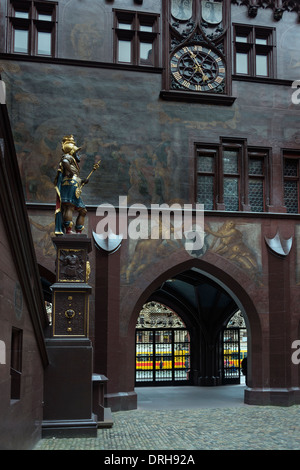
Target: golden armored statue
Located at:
point(68, 185)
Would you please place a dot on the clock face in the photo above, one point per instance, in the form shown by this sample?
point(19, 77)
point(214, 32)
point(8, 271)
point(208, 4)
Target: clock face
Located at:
point(198, 68)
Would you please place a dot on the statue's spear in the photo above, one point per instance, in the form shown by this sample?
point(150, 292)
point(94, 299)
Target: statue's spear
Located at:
point(78, 190)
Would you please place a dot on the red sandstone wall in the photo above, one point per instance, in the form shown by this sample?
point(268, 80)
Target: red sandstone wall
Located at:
point(20, 420)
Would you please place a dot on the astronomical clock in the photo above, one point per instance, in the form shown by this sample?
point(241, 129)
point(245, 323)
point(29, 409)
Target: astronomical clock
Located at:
point(196, 67)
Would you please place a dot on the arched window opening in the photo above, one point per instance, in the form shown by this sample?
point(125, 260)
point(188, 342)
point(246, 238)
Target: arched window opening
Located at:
point(235, 350)
point(162, 347)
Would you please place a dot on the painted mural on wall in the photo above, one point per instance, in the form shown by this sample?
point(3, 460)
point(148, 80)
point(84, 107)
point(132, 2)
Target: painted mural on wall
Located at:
point(143, 142)
point(117, 117)
point(43, 229)
point(143, 253)
point(237, 242)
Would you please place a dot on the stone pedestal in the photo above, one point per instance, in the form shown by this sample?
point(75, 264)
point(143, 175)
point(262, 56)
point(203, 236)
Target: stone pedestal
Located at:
point(71, 290)
point(68, 399)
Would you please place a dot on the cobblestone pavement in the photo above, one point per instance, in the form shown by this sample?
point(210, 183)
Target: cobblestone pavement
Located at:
point(234, 428)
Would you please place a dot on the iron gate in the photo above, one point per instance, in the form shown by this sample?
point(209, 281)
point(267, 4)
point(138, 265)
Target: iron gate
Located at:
point(231, 356)
point(162, 356)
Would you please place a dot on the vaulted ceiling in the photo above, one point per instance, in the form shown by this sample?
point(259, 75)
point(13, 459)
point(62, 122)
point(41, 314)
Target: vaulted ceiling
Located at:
point(198, 300)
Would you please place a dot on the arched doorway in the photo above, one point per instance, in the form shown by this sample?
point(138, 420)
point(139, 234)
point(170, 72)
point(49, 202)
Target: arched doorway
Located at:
point(179, 284)
point(162, 347)
point(205, 306)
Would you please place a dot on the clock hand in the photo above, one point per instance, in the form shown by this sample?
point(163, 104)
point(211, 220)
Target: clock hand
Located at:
point(199, 69)
point(205, 77)
point(193, 56)
point(198, 66)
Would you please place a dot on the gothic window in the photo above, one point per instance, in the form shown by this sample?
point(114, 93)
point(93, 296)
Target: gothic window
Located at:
point(257, 180)
point(206, 185)
point(291, 183)
point(32, 28)
point(232, 177)
point(254, 51)
point(136, 38)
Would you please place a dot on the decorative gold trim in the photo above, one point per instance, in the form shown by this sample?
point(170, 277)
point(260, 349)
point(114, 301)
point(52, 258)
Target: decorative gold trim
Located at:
point(88, 270)
point(70, 313)
point(86, 314)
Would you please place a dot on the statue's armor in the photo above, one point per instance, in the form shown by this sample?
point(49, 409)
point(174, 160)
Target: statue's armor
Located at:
point(73, 166)
point(71, 183)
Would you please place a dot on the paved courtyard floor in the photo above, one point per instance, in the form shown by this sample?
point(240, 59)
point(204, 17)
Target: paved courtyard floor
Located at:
point(189, 419)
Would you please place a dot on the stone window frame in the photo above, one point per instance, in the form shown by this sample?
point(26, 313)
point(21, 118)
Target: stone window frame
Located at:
point(246, 190)
point(128, 26)
point(252, 48)
point(32, 24)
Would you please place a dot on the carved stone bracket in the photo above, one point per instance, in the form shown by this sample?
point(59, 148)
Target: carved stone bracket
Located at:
point(278, 245)
point(278, 6)
point(109, 243)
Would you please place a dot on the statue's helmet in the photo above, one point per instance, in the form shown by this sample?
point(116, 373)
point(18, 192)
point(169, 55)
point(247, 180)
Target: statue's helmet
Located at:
point(69, 146)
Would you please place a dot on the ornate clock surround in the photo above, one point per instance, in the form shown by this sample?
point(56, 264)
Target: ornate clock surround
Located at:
point(198, 50)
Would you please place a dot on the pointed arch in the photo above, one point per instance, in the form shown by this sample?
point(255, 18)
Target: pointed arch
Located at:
point(231, 280)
